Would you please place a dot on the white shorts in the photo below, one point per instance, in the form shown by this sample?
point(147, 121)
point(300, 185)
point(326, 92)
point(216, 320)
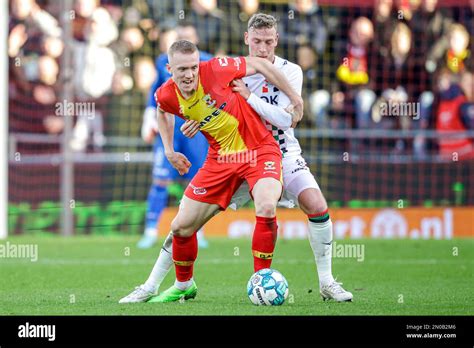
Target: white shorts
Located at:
point(296, 178)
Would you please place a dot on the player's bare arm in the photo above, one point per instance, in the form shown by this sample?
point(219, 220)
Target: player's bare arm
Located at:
point(166, 130)
point(275, 77)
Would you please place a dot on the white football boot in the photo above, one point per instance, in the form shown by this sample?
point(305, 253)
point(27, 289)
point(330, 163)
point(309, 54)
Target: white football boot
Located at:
point(140, 294)
point(335, 292)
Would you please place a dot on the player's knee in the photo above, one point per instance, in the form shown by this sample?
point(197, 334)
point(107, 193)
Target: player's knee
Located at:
point(314, 206)
point(312, 201)
point(266, 209)
point(181, 229)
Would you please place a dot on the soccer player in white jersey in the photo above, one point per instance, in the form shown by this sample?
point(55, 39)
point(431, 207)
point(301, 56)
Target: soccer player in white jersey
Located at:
point(275, 109)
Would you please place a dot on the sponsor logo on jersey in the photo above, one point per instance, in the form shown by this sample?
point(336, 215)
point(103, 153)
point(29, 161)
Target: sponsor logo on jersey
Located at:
point(198, 191)
point(208, 118)
point(207, 99)
point(269, 165)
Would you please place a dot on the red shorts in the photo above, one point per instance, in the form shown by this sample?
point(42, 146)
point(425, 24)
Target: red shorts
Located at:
point(219, 178)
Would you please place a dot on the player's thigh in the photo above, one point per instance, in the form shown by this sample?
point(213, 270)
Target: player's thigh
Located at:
point(192, 215)
point(265, 176)
point(299, 182)
point(303, 185)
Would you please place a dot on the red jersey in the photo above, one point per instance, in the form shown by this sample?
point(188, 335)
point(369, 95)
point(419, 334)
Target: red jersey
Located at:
point(227, 121)
point(449, 119)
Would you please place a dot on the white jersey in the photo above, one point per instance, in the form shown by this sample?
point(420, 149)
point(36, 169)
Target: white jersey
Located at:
point(289, 145)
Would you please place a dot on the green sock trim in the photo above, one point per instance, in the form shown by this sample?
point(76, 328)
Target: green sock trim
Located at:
point(319, 219)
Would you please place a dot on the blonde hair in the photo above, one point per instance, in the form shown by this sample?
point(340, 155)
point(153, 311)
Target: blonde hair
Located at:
point(182, 46)
point(262, 20)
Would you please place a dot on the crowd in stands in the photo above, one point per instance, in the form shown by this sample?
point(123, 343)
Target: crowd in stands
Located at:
point(360, 64)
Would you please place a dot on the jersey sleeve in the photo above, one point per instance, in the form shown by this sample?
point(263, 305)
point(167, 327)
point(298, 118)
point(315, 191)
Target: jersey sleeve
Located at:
point(163, 100)
point(274, 114)
point(295, 78)
point(227, 69)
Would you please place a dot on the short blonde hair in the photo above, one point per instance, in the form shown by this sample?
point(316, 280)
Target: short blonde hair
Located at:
point(182, 46)
point(262, 20)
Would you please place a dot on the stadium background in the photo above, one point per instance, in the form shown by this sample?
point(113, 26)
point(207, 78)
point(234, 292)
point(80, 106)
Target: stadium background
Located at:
point(86, 174)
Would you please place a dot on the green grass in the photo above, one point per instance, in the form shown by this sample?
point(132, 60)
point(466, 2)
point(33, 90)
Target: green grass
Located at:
point(396, 277)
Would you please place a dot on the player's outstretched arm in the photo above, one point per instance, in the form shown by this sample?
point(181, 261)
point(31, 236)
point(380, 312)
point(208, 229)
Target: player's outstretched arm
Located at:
point(275, 77)
point(166, 130)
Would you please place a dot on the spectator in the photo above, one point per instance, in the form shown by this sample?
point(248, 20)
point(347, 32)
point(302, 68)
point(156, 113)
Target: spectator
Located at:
point(455, 54)
point(144, 73)
point(385, 21)
point(168, 35)
point(448, 118)
point(458, 54)
point(394, 84)
point(303, 25)
point(430, 27)
point(306, 58)
point(351, 90)
point(209, 22)
point(94, 64)
point(467, 109)
point(133, 38)
point(52, 46)
point(240, 12)
point(34, 44)
point(406, 9)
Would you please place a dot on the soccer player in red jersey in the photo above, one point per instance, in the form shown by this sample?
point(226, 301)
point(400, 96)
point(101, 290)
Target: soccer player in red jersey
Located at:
point(241, 149)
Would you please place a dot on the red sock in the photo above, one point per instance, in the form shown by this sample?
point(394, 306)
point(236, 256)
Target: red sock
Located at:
point(185, 251)
point(263, 242)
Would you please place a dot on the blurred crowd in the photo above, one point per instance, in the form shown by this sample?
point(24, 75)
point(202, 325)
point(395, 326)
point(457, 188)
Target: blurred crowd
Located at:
point(396, 65)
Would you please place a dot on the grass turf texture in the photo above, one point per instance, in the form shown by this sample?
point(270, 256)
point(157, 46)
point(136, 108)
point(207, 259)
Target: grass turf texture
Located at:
point(88, 275)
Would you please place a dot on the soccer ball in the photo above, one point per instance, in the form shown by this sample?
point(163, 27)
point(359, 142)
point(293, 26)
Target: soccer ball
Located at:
point(267, 287)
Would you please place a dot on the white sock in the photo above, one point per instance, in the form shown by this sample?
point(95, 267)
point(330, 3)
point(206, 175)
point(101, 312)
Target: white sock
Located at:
point(320, 233)
point(151, 232)
point(162, 266)
point(200, 234)
point(183, 285)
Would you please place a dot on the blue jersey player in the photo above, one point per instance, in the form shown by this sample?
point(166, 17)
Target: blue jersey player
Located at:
point(194, 149)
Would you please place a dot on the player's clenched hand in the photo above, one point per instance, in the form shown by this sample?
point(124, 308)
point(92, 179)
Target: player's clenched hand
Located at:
point(190, 128)
point(297, 112)
point(239, 86)
point(294, 118)
point(179, 162)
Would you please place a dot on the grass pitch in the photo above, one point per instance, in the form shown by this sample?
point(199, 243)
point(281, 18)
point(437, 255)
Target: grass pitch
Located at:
point(88, 275)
